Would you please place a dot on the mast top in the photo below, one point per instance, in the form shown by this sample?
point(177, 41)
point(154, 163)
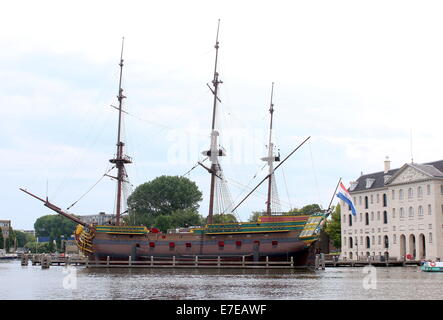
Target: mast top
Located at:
point(271, 108)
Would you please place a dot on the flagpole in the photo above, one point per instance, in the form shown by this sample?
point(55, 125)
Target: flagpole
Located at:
point(332, 199)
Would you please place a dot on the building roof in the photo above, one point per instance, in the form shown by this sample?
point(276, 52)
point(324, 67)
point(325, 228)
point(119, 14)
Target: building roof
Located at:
point(433, 169)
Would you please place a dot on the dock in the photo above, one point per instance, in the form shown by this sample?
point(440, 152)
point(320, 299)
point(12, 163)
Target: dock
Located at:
point(332, 261)
point(321, 262)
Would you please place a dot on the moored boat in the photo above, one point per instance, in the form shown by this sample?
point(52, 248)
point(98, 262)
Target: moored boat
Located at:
point(277, 237)
point(432, 266)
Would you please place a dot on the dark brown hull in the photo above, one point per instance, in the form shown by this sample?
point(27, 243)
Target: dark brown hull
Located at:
point(253, 247)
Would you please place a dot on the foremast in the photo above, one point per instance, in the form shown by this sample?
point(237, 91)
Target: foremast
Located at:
point(271, 158)
point(120, 159)
point(214, 152)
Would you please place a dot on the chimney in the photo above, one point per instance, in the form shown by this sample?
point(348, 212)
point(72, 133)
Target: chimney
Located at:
point(387, 164)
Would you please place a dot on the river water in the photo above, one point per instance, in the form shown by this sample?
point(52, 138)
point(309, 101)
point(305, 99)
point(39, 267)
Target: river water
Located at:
point(80, 283)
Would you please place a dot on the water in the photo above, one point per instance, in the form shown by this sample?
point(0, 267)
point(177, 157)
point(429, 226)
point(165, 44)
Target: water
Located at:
point(34, 283)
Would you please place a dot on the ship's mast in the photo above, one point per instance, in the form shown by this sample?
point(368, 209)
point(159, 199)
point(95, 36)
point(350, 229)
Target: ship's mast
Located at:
point(120, 160)
point(270, 158)
point(214, 152)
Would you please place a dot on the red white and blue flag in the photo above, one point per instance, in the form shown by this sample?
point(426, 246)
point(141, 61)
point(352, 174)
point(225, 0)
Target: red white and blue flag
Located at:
point(343, 194)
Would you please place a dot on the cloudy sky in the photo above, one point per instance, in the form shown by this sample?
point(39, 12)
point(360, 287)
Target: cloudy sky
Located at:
point(360, 77)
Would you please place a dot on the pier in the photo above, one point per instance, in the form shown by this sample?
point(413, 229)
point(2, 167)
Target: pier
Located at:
point(321, 262)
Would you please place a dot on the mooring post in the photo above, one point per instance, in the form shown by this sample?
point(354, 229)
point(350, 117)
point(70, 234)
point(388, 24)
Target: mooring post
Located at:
point(173, 261)
point(322, 259)
point(107, 260)
point(267, 261)
point(152, 261)
point(218, 261)
point(292, 261)
point(243, 261)
point(196, 261)
point(130, 260)
point(317, 261)
point(25, 260)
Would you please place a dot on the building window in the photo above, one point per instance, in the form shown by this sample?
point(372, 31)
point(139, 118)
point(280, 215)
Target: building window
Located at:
point(420, 211)
point(429, 210)
point(344, 241)
point(410, 193)
point(361, 240)
point(430, 226)
point(420, 192)
point(378, 215)
point(367, 219)
point(430, 237)
point(359, 200)
point(366, 202)
point(373, 239)
point(361, 215)
point(428, 189)
point(379, 240)
point(372, 216)
point(385, 217)
point(344, 218)
point(355, 200)
point(350, 220)
point(372, 198)
point(350, 242)
point(402, 213)
point(393, 213)
point(395, 239)
point(386, 242)
point(400, 194)
point(441, 189)
point(378, 198)
point(393, 194)
point(368, 243)
point(411, 212)
point(385, 200)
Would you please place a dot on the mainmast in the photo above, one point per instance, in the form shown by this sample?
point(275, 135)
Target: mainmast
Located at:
point(270, 158)
point(214, 152)
point(121, 159)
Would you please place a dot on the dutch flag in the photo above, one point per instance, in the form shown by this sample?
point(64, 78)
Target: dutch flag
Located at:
point(346, 197)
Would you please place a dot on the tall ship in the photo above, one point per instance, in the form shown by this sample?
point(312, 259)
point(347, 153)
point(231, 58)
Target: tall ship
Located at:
point(275, 236)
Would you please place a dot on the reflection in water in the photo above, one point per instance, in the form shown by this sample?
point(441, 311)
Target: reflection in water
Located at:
point(333, 283)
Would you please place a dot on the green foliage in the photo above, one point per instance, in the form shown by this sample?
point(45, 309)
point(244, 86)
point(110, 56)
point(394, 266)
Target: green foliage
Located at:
point(54, 226)
point(173, 196)
point(333, 227)
point(308, 209)
point(254, 216)
point(2, 240)
point(223, 218)
point(22, 238)
point(39, 247)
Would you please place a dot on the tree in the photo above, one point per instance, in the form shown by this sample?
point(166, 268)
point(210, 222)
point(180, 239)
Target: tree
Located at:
point(254, 216)
point(22, 238)
point(309, 209)
point(54, 226)
point(333, 227)
point(162, 196)
point(223, 218)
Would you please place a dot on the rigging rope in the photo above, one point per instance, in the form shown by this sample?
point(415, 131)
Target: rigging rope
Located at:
point(286, 187)
point(90, 188)
point(315, 175)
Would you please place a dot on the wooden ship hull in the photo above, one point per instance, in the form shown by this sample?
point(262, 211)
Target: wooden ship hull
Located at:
point(275, 240)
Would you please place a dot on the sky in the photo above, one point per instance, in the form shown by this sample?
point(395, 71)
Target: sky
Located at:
point(362, 79)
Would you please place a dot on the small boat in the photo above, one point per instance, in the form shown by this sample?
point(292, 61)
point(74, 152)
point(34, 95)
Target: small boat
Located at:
point(432, 266)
